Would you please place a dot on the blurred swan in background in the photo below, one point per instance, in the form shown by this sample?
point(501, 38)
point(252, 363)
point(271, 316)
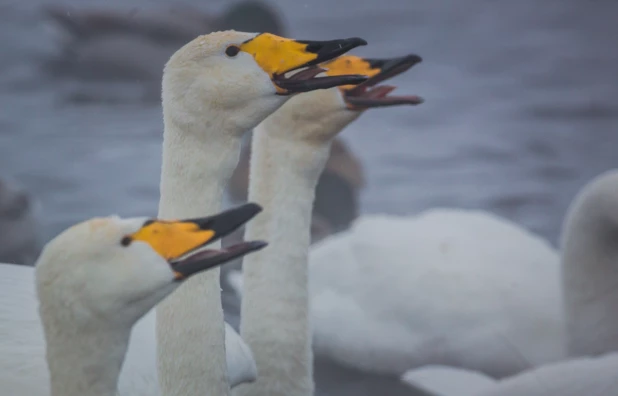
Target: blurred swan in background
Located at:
point(130, 47)
point(453, 287)
point(19, 225)
point(590, 288)
point(573, 377)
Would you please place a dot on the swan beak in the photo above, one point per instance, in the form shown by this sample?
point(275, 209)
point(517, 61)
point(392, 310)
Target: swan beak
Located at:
point(177, 241)
point(368, 94)
point(278, 56)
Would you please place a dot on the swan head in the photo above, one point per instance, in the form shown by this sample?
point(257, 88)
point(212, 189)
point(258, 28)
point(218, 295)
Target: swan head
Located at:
point(114, 270)
point(369, 94)
point(238, 79)
point(320, 115)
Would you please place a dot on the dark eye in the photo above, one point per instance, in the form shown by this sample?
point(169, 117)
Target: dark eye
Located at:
point(126, 241)
point(232, 51)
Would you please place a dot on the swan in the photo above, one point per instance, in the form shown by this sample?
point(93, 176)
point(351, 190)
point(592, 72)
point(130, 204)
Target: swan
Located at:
point(384, 293)
point(589, 278)
point(590, 267)
point(19, 224)
point(214, 89)
point(590, 375)
point(444, 287)
point(93, 282)
point(290, 150)
point(209, 97)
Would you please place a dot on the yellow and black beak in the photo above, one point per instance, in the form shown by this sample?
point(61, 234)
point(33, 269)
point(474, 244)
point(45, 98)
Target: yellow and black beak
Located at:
point(177, 241)
point(278, 56)
point(369, 94)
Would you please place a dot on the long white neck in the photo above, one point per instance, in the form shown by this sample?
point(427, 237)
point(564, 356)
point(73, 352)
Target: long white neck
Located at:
point(590, 270)
point(275, 312)
point(84, 362)
point(190, 327)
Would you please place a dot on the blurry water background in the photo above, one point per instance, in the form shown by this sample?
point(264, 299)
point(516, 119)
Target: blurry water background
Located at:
point(521, 109)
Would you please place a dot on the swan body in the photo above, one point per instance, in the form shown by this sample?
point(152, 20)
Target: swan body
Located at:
point(574, 377)
point(589, 274)
point(394, 293)
point(214, 89)
point(290, 151)
point(448, 381)
point(429, 289)
point(93, 283)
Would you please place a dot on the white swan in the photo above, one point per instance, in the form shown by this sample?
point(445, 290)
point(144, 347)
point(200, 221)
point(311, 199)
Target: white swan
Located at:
point(590, 289)
point(93, 282)
point(394, 293)
point(452, 287)
point(574, 377)
point(590, 267)
point(290, 149)
point(205, 91)
point(216, 88)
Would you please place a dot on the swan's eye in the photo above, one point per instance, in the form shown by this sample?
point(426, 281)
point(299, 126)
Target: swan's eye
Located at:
point(126, 241)
point(232, 51)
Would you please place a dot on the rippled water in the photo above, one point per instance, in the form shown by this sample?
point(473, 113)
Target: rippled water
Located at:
point(520, 110)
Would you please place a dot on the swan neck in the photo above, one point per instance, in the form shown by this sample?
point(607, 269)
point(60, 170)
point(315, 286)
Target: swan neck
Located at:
point(590, 277)
point(195, 172)
point(190, 327)
point(85, 362)
point(275, 308)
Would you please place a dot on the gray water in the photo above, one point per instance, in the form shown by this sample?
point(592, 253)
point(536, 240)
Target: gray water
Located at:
point(520, 112)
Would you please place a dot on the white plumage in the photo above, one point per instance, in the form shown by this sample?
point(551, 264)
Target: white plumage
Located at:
point(23, 369)
point(453, 287)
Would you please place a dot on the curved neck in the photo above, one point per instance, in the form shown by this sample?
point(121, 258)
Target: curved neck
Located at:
point(84, 362)
point(190, 327)
point(590, 278)
point(275, 312)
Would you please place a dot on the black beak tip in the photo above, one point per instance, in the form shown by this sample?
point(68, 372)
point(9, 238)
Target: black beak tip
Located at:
point(226, 222)
point(257, 245)
point(413, 59)
point(356, 42)
point(252, 209)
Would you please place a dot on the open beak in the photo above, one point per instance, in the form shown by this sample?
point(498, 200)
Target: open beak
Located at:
point(178, 241)
point(280, 56)
point(369, 94)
